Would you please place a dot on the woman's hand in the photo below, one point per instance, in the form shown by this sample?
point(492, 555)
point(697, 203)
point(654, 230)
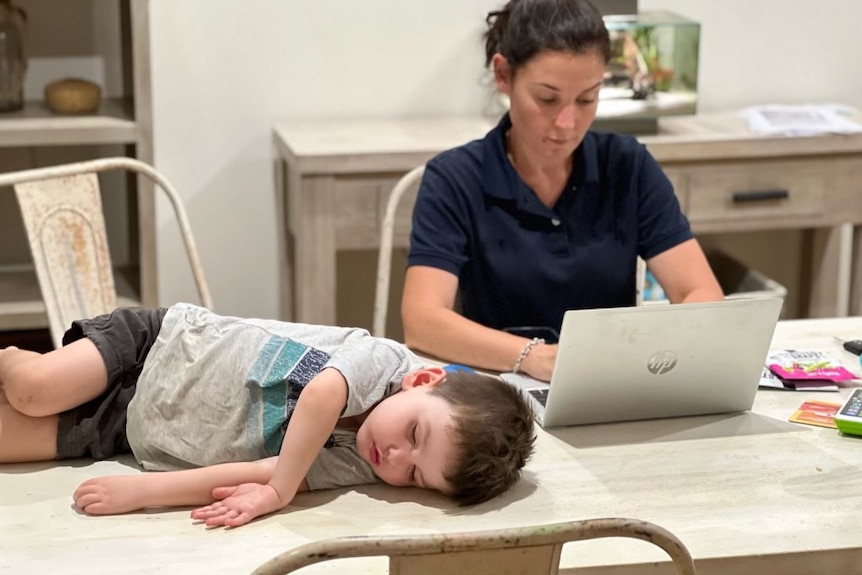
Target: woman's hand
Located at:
point(539, 363)
point(239, 504)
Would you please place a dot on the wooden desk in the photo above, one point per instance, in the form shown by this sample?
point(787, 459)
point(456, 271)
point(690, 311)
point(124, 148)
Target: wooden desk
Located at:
point(747, 493)
point(333, 179)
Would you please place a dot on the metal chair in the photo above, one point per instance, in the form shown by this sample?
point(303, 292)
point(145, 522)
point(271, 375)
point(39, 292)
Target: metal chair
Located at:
point(533, 550)
point(384, 257)
point(62, 211)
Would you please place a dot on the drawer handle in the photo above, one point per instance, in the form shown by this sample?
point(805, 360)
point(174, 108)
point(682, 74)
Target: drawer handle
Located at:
point(760, 195)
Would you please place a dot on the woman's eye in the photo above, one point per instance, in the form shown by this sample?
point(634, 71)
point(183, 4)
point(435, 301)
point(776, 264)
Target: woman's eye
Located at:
point(413, 434)
point(586, 102)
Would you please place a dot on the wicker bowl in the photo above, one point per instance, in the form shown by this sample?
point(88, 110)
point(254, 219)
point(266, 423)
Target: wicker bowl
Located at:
point(73, 96)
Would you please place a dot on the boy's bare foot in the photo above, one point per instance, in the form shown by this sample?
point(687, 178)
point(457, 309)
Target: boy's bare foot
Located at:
point(111, 495)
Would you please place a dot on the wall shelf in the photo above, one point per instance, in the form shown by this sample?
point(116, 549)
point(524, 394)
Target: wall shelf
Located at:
point(123, 122)
point(36, 125)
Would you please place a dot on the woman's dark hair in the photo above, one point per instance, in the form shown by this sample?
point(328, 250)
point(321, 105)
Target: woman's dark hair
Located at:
point(524, 28)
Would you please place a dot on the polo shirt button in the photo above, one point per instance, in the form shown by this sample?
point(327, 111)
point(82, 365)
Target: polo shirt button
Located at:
point(556, 222)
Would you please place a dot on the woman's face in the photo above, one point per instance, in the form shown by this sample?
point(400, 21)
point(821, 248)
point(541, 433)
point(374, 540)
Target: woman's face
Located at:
point(553, 100)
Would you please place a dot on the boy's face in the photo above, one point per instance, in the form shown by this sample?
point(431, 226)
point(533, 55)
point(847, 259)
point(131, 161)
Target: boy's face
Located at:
point(407, 439)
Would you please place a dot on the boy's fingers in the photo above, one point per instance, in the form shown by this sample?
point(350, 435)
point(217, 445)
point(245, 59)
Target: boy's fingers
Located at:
point(85, 495)
point(81, 495)
point(224, 518)
point(223, 492)
point(83, 489)
point(242, 519)
point(92, 504)
point(204, 512)
point(97, 508)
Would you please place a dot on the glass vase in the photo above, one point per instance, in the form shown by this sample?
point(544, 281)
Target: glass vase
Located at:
point(13, 60)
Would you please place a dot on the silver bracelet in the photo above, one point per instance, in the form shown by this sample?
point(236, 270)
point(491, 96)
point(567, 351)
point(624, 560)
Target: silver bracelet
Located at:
point(528, 347)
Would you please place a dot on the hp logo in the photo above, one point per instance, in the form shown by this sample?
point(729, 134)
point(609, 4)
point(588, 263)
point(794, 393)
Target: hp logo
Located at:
point(662, 362)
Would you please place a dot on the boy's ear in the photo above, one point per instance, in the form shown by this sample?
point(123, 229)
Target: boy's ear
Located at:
point(428, 376)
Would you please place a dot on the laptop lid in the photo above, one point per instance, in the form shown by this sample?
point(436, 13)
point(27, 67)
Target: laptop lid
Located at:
point(657, 361)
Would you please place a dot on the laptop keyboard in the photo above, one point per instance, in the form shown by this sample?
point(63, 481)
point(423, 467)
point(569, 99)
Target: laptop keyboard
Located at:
point(541, 395)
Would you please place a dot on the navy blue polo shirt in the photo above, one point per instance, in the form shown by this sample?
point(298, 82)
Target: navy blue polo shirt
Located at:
point(520, 263)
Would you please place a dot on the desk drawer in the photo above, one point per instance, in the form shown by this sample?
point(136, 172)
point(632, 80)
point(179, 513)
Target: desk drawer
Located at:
point(764, 191)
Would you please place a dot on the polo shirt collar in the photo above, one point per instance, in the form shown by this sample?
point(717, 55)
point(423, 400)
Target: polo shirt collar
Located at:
point(498, 171)
point(587, 161)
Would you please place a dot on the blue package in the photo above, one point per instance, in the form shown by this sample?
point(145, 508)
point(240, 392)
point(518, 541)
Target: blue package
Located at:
point(456, 367)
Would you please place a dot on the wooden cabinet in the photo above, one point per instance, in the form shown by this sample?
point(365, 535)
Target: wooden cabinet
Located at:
point(122, 126)
point(334, 179)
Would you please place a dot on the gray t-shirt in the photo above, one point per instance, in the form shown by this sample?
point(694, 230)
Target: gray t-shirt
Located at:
point(218, 389)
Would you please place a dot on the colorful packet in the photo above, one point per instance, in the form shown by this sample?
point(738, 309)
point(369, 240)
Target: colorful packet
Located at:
point(797, 364)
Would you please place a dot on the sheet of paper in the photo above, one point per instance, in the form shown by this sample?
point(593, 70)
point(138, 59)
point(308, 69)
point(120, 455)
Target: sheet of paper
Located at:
point(771, 381)
point(812, 385)
point(802, 120)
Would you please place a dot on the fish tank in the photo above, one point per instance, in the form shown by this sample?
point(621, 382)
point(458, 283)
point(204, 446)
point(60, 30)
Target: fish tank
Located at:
point(652, 72)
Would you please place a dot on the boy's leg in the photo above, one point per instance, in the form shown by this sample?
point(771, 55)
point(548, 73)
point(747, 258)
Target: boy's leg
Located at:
point(39, 385)
point(124, 493)
point(24, 438)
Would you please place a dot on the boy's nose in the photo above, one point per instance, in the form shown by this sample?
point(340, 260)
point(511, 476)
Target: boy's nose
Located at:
point(395, 455)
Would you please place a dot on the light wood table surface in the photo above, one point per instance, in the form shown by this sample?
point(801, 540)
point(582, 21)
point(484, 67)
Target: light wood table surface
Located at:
point(748, 493)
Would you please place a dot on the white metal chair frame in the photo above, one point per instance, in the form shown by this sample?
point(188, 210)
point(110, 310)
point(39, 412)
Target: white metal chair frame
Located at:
point(384, 258)
point(533, 550)
point(119, 163)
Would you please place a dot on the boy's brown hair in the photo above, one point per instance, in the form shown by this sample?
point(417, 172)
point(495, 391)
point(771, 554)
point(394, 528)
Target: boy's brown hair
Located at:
point(494, 434)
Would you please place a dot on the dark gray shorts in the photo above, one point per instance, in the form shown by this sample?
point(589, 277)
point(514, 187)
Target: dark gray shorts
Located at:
point(124, 337)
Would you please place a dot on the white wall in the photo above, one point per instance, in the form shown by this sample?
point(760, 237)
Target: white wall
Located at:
point(225, 71)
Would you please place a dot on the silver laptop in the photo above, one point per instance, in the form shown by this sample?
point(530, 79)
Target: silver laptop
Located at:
point(655, 361)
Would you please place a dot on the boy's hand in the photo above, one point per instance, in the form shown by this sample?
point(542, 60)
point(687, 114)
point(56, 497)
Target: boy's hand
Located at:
point(239, 504)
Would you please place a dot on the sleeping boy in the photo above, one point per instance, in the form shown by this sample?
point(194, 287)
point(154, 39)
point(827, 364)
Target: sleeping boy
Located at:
point(239, 415)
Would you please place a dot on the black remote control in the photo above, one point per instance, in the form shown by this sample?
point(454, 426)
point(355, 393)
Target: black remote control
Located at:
point(853, 346)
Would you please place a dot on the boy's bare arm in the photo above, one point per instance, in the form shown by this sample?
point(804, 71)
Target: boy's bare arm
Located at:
point(314, 418)
point(124, 493)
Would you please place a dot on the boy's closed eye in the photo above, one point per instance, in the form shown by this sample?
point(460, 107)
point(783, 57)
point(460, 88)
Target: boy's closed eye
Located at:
point(411, 472)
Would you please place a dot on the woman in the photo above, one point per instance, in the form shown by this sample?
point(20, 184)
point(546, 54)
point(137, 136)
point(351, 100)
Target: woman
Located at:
point(541, 216)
